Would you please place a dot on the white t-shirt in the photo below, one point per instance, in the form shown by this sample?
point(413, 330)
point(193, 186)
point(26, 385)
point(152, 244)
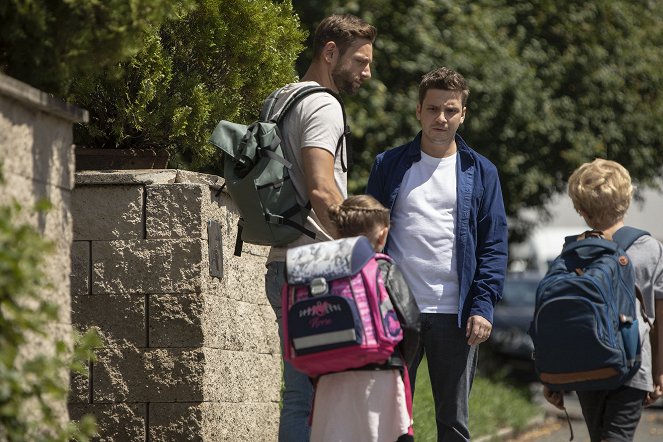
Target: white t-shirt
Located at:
point(315, 121)
point(422, 237)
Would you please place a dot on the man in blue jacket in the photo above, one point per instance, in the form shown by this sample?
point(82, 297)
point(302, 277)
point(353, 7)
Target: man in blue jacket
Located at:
point(449, 237)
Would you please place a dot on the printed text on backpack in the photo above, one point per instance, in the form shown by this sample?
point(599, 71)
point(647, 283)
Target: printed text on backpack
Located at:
point(337, 314)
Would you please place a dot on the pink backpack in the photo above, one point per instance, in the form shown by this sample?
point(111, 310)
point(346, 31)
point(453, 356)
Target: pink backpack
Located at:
point(337, 314)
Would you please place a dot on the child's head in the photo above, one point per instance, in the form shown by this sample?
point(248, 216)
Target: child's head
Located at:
point(361, 215)
point(601, 192)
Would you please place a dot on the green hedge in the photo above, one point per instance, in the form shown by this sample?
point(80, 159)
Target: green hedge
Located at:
point(33, 388)
point(153, 73)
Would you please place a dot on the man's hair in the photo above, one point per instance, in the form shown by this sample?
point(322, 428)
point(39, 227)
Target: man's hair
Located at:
point(445, 79)
point(358, 215)
point(342, 30)
point(602, 191)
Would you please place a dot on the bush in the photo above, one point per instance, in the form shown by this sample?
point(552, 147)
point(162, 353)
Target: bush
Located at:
point(153, 73)
point(32, 387)
point(49, 43)
point(217, 62)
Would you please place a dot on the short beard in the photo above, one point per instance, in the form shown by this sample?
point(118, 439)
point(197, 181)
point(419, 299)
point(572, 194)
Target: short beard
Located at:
point(344, 81)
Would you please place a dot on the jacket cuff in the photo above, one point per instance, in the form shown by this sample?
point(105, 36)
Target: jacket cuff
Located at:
point(482, 308)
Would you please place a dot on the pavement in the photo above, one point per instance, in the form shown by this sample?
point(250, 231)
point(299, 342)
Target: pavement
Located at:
point(553, 426)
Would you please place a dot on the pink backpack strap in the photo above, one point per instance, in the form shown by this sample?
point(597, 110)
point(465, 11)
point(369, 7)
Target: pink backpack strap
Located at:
point(384, 256)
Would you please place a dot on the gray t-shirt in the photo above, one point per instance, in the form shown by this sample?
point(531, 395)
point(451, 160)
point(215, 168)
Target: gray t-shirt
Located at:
point(315, 121)
point(646, 254)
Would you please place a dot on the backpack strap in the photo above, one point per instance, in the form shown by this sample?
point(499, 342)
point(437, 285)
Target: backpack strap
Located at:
point(584, 235)
point(269, 103)
point(627, 235)
point(305, 91)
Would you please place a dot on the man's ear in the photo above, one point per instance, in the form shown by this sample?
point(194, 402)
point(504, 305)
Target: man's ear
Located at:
point(329, 52)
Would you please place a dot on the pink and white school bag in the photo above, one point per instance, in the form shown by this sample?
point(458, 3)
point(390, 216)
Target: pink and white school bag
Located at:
point(337, 314)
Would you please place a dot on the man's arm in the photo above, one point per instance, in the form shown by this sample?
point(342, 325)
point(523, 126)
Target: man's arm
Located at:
point(320, 183)
point(657, 354)
point(375, 186)
point(492, 252)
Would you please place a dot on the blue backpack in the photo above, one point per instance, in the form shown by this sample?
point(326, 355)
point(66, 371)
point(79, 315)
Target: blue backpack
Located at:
point(585, 326)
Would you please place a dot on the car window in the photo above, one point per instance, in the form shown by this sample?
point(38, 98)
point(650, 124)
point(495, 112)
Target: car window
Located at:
point(519, 292)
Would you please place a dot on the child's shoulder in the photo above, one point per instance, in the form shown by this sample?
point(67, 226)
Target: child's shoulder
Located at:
point(646, 246)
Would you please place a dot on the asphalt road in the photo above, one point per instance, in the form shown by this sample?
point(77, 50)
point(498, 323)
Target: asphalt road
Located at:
point(556, 429)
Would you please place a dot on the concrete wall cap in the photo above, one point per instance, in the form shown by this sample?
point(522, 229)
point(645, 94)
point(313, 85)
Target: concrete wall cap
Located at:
point(45, 102)
point(147, 176)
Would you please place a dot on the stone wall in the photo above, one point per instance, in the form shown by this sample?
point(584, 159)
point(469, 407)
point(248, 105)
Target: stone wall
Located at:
point(192, 350)
point(37, 162)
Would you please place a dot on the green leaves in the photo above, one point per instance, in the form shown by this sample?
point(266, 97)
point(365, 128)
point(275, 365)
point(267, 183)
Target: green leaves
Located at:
point(48, 44)
point(32, 384)
point(217, 61)
point(153, 73)
point(552, 84)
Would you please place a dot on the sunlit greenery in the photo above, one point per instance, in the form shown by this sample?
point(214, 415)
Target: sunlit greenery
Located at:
point(153, 73)
point(553, 84)
point(34, 384)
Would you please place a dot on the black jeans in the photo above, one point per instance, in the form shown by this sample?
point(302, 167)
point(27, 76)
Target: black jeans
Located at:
point(451, 367)
point(612, 415)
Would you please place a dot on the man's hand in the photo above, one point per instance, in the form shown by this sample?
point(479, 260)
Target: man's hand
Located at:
point(657, 393)
point(478, 330)
point(556, 398)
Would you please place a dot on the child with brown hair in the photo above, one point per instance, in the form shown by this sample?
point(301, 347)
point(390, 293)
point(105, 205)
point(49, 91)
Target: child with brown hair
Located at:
point(372, 403)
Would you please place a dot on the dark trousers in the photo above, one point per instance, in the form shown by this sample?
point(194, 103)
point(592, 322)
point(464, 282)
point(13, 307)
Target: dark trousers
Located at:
point(451, 367)
point(612, 415)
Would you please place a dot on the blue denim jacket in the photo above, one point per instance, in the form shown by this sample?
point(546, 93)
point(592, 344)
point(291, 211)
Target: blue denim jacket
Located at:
point(481, 227)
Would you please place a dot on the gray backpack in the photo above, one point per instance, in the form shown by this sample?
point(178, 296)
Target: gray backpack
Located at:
point(257, 174)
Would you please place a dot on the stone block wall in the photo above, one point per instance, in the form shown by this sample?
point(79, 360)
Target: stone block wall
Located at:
point(37, 163)
point(190, 354)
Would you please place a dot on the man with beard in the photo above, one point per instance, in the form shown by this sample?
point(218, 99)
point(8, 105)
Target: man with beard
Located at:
point(311, 131)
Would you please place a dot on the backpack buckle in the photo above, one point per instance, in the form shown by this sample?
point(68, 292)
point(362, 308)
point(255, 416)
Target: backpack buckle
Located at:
point(274, 219)
point(318, 286)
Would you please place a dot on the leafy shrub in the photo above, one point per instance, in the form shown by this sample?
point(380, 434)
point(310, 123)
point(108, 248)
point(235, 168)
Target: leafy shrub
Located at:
point(216, 62)
point(33, 387)
point(153, 73)
point(50, 43)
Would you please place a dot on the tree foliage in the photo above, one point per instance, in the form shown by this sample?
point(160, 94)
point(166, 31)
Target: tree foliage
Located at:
point(50, 43)
point(153, 73)
point(216, 62)
point(553, 84)
point(33, 387)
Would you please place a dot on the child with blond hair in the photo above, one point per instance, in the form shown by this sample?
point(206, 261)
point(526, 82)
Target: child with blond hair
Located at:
point(601, 192)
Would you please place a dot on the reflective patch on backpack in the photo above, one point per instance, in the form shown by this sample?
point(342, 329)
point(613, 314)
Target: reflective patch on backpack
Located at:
point(337, 314)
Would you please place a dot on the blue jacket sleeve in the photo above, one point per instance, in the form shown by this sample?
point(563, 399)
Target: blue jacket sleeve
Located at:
point(376, 186)
point(491, 249)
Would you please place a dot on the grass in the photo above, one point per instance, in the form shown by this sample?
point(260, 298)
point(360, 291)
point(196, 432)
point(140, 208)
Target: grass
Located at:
point(494, 404)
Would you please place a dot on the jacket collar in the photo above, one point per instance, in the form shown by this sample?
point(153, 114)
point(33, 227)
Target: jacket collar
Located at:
point(414, 150)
